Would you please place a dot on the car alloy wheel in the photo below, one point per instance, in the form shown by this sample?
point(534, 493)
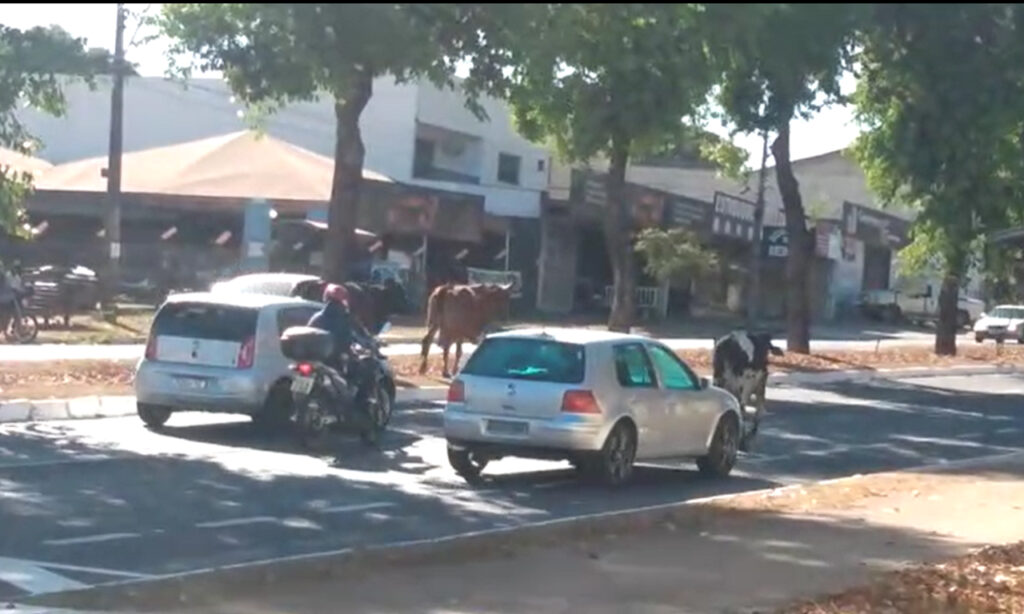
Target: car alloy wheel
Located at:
point(721, 458)
point(618, 455)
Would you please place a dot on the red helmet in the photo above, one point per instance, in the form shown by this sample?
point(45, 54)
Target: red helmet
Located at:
point(336, 293)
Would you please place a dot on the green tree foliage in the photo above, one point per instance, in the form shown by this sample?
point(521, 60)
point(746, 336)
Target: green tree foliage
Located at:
point(272, 54)
point(613, 80)
point(939, 95)
point(675, 255)
point(777, 63)
point(33, 65)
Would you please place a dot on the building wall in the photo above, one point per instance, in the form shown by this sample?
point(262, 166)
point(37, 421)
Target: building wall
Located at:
point(159, 112)
point(446, 109)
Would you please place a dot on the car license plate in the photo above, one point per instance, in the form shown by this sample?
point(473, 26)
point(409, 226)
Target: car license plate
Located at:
point(302, 385)
point(191, 383)
point(507, 427)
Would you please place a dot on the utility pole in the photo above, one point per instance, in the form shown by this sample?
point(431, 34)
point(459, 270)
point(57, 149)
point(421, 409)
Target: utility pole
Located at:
point(113, 209)
point(754, 298)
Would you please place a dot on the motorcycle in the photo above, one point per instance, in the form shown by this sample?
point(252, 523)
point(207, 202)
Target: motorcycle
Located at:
point(21, 327)
point(359, 399)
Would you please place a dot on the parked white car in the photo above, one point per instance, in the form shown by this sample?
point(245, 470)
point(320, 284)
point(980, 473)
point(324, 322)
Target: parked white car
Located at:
point(1005, 322)
point(919, 306)
point(600, 400)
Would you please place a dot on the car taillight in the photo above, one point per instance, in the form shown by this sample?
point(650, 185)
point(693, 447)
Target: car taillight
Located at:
point(580, 402)
point(457, 392)
point(247, 353)
point(304, 369)
point(151, 348)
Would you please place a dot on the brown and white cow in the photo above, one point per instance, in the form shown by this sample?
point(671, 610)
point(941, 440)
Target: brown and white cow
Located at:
point(458, 313)
point(740, 363)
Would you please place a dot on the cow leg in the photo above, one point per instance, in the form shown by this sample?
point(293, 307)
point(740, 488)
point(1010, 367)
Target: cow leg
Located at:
point(425, 348)
point(458, 355)
point(757, 395)
point(445, 346)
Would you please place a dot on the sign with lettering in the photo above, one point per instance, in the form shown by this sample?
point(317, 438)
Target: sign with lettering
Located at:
point(690, 213)
point(733, 217)
point(490, 276)
point(775, 242)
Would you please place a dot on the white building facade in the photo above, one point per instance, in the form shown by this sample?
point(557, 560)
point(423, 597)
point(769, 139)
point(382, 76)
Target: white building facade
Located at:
point(415, 133)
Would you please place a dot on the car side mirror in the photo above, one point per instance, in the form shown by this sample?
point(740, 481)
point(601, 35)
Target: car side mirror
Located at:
point(704, 383)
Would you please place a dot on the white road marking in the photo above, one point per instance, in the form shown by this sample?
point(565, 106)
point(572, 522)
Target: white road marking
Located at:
point(56, 463)
point(340, 509)
point(90, 539)
point(32, 578)
point(103, 571)
point(235, 522)
point(556, 484)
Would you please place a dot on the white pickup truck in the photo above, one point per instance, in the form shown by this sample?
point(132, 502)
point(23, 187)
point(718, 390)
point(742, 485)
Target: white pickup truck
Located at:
point(920, 306)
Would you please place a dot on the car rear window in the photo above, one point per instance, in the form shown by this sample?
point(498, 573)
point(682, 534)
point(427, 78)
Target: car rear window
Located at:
point(204, 321)
point(528, 359)
point(1008, 312)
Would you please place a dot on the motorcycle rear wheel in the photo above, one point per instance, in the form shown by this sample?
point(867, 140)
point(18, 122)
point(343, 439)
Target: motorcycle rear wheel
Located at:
point(311, 420)
point(377, 408)
point(22, 330)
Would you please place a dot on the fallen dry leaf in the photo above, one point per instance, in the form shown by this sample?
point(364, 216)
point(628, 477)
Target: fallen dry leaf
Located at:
point(990, 581)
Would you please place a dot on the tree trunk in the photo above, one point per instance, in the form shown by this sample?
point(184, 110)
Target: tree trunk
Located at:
point(347, 180)
point(801, 249)
point(946, 328)
point(618, 226)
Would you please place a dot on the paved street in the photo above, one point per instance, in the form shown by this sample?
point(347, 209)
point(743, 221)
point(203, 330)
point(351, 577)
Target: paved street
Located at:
point(91, 501)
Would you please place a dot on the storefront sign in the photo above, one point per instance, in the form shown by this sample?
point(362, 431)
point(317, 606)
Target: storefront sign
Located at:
point(490, 276)
point(827, 242)
point(690, 213)
point(733, 217)
point(874, 227)
point(775, 242)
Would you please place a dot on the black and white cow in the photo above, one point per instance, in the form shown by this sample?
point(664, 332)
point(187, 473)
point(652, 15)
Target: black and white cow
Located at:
point(741, 367)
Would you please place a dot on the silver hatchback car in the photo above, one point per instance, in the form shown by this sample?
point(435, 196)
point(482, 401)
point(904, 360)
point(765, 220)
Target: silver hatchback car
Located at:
point(601, 400)
point(219, 353)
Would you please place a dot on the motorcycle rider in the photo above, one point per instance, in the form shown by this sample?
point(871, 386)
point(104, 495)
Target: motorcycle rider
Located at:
point(336, 319)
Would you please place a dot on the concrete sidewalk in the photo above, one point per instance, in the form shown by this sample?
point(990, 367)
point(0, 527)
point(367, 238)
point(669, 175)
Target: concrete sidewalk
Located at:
point(745, 553)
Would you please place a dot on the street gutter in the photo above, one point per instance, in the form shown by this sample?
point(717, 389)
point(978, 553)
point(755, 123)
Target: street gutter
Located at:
point(26, 410)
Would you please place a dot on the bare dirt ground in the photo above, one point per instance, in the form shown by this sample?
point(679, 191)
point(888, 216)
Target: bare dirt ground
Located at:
point(65, 379)
point(91, 329)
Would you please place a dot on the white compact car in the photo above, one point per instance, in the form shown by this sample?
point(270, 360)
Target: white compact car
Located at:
point(1005, 322)
point(219, 353)
point(601, 400)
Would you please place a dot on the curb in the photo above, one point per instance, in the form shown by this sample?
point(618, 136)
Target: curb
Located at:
point(201, 585)
point(866, 375)
point(23, 410)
